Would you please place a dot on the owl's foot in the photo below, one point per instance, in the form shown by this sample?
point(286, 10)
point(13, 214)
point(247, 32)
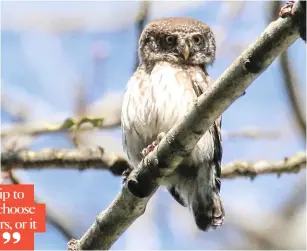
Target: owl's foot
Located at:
point(287, 9)
point(126, 173)
point(152, 146)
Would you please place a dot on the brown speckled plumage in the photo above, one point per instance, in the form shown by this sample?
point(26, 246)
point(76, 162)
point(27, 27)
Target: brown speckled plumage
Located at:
point(175, 24)
point(174, 53)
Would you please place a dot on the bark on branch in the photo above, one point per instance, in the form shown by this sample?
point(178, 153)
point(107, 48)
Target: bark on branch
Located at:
point(82, 159)
point(291, 164)
point(182, 138)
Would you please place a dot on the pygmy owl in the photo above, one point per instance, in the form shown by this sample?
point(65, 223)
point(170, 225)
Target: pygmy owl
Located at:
point(174, 54)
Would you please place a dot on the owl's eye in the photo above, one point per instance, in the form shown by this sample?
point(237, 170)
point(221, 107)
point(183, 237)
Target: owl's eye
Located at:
point(170, 40)
point(197, 40)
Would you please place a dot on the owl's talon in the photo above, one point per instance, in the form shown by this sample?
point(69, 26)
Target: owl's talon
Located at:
point(148, 149)
point(287, 9)
point(152, 146)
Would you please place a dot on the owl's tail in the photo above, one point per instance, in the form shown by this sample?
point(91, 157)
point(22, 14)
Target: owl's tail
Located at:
point(207, 208)
point(208, 212)
point(198, 188)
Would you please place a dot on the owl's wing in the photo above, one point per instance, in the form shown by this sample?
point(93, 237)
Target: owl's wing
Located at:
point(197, 83)
point(201, 81)
point(218, 150)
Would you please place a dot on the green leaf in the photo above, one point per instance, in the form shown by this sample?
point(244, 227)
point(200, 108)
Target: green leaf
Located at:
point(95, 122)
point(68, 123)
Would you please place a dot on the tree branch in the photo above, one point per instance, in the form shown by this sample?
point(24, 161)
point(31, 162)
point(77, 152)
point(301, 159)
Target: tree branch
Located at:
point(182, 138)
point(38, 128)
point(83, 159)
point(291, 164)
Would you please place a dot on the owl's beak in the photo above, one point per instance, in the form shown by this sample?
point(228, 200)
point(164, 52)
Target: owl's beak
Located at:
point(186, 51)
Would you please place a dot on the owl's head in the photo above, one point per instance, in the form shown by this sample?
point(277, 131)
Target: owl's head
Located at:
point(177, 40)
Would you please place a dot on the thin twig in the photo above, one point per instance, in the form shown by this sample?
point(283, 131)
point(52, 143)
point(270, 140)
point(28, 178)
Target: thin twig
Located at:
point(38, 128)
